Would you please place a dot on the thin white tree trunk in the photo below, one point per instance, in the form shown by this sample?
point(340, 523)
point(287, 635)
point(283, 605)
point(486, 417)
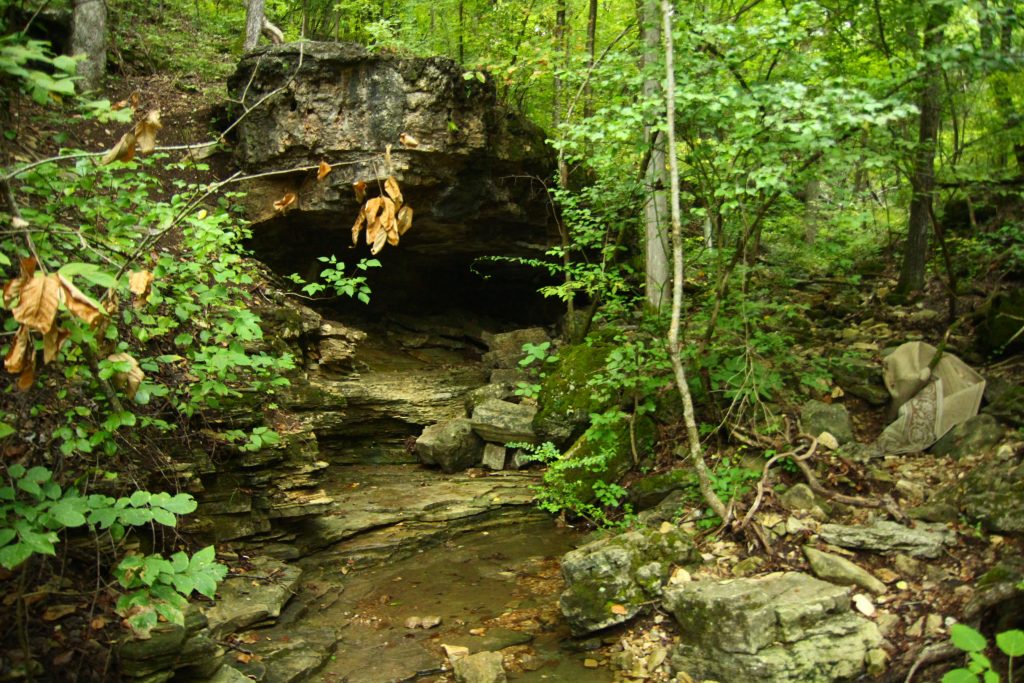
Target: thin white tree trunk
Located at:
point(656, 286)
point(693, 437)
point(89, 38)
point(253, 23)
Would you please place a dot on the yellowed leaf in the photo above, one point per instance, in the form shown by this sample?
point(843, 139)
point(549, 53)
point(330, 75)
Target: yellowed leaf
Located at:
point(359, 187)
point(139, 282)
point(282, 204)
point(393, 191)
point(17, 358)
point(357, 227)
point(408, 141)
point(323, 170)
point(619, 609)
point(28, 375)
point(38, 303)
point(128, 380)
point(79, 303)
point(98, 623)
point(404, 219)
point(372, 210)
point(379, 242)
point(146, 130)
point(124, 150)
point(52, 341)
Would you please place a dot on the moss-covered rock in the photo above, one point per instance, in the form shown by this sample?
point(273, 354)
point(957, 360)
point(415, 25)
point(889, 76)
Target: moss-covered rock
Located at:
point(651, 490)
point(993, 493)
point(602, 454)
point(566, 401)
point(611, 580)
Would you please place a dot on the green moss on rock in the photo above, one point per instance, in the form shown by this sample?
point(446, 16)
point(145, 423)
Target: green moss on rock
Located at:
point(566, 401)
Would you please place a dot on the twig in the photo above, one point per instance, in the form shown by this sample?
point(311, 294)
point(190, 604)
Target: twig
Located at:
point(799, 459)
point(933, 654)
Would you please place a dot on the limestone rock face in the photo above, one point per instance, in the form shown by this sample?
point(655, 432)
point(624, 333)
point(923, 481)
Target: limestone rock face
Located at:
point(466, 180)
point(611, 580)
point(784, 628)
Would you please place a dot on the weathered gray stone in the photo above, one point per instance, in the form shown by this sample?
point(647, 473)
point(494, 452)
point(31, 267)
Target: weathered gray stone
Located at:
point(503, 422)
point(973, 437)
point(839, 570)
point(817, 417)
point(500, 392)
point(925, 540)
point(483, 667)
point(993, 493)
point(784, 628)
point(242, 601)
point(862, 379)
point(296, 656)
point(228, 674)
point(798, 497)
point(451, 445)
point(611, 580)
point(506, 348)
point(494, 457)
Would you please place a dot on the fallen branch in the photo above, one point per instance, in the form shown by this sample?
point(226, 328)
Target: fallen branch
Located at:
point(886, 502)
point(793, 454)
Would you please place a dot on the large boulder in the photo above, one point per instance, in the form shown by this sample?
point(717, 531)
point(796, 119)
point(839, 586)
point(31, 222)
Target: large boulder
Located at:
point(611, 580)
point(784, 628)
point(817, 417)
point(451, 445)
point(465, 179)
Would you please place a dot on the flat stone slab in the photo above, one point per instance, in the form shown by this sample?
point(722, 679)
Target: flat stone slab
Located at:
point(504, 422)
point(841, 571)
point(246, 599)
point(924, 540)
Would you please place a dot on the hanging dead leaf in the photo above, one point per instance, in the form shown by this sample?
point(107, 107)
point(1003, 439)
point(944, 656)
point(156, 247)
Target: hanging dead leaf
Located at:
point(404, 219)
point(139, 282)
point(130, 379)
point(28, 375)
point(124, 150)
point(379, 241)
point(323, 170)
point(52, 341)
point(619, 609)
point(357, 227)
point(17, 358)
point(359, 187)
point(79, 303)
point(288, 200)
point(393, 191)
point(37, 306)
point(146, 130)
point(372, 210)
point(408, 141)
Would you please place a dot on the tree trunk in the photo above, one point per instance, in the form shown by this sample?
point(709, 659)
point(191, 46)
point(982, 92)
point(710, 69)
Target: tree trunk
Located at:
point(812, 193)
point(588, 103)
point(922, 181)
point(89, 38)
point(656, 209)
point(693, 437)
point(253, 23)
point(462, 43)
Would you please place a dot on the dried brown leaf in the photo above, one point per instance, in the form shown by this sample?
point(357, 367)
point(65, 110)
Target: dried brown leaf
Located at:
point(28, 375)
point(146, 130)
point(393, 191)
point(38, 303)
point(98, 623)
point(359, 187)
point(282, 204)
point(17, 358)
point(408, 141)
point(55, 612)
point(323, 170)
point(379, 241)
point(129, 380)
point(358, 226)
point(124, 150)
point(404, 219)
point(139, 282)
point(52, 341)
point(372, 211)
point(619, 609)
point(79, 303)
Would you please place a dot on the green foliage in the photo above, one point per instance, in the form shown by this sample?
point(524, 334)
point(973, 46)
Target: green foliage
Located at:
point(335, 279)
point(535, 353)
point(34, 508)
point(20, 58)
point(979, 667)
point(160, 586)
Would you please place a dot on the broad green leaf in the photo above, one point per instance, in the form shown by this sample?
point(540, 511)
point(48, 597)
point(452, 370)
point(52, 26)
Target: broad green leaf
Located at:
point(960, 676)
point(5, 429)
point(6, 534)
point(203, 558)
point(65, 513)
point(140, 498)
point(179, 562)
point(205, 584)
point(164, 517)
point(181, 504)
point(13, 555)
point(966, 638)
point(183, 583)
point(1011, 642)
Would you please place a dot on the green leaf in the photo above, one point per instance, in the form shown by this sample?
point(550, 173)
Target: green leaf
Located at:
point(183, 583)
point(65, 63)
point(140, 498)
point(180, 504)
point(959, 676)
point(16, 471)
point(5, 429)
point(103, 517)
point(966, 638)
point(203, 558)
point(161, 516)
point(179, 562)
point(136, 516)
point(13, 555)
point(205, 584)
point(65, 513)
point(1011, 642)
point(6, 534)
